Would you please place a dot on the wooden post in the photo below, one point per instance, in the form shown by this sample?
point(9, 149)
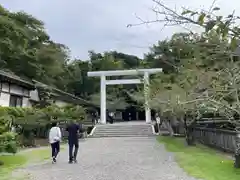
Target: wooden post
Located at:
point(237, 148)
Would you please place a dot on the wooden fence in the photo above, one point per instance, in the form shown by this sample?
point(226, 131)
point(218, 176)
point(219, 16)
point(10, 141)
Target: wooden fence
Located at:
point(217, 138)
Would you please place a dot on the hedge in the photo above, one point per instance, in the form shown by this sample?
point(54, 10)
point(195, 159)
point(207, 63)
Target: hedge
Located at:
point(29, 123)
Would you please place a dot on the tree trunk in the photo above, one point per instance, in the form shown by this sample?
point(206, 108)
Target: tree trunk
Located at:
point(237, 148)
point(181, 125)
point(189, 135)
point(174, 124)
point(169, 127)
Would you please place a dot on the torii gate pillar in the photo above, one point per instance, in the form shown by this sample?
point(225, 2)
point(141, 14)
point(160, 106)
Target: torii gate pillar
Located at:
point(146, 95)
point(103, 99)
point(104, 82)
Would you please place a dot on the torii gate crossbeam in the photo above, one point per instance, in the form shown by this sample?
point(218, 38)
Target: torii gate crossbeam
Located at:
point(104, 82)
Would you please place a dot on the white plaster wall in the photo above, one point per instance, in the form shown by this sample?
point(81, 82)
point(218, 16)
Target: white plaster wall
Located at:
point(26, 102)
point(16, 89)
point(5, 87)
point(4, 99)
point(34, 95)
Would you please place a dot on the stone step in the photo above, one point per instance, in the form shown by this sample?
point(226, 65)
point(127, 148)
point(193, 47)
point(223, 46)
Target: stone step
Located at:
point(123, 132)
point(122, 135)
point(123, 127)
point(126, 129)
point(98, 133)
point(120, 130)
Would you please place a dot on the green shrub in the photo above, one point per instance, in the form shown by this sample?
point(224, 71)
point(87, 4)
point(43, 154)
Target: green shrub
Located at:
point(8, 142)
point(74, 113)
point(7, 139)
point(30, 123)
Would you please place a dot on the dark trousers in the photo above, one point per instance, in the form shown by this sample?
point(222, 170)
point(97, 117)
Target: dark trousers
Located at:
point(55, 149)
point(75, 145)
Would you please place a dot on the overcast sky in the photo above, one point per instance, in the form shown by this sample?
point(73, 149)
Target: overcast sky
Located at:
point(100, 25)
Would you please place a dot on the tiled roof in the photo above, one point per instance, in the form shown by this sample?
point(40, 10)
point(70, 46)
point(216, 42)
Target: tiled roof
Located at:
point(63, 93)
point(12, 76)
point(34, 84)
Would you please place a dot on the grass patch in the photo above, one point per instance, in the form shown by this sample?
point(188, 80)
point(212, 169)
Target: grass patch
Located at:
point(37, 155)
point(13, 162)
point(200, 161)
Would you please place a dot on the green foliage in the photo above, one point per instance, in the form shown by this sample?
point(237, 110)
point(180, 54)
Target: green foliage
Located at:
point(8, 142)
point(113, 101)
point(190, 62)
point(26, 45)
point(29, 121)
point(83, 86)
point(7, 139)
point(35, 116)
point(192, 81)
point(76, 113)
point(199, 161)
point(28, 51)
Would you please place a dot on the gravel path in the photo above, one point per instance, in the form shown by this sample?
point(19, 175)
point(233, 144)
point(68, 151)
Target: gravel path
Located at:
point(113, 159)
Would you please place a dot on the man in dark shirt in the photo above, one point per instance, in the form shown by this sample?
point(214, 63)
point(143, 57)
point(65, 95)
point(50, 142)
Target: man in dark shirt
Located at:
point(73, 133)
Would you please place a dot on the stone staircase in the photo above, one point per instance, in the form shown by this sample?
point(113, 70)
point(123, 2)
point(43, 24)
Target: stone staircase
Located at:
point(123, 130)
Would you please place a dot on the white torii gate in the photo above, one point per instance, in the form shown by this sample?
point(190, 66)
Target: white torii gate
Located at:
point(104, 82)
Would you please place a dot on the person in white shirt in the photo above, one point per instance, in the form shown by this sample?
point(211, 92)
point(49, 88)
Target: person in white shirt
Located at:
point(158, 121)
point(55, 136)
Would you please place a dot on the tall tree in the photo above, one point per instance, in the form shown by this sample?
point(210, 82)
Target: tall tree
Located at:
point(26, 48)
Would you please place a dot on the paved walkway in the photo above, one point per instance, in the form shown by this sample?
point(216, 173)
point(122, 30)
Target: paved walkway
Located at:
point(113, 159)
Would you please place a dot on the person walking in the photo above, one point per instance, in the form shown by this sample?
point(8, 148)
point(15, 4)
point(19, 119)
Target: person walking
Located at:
point(111, 117)
point(158, 121)
point(73, 130)
point(55, 136)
